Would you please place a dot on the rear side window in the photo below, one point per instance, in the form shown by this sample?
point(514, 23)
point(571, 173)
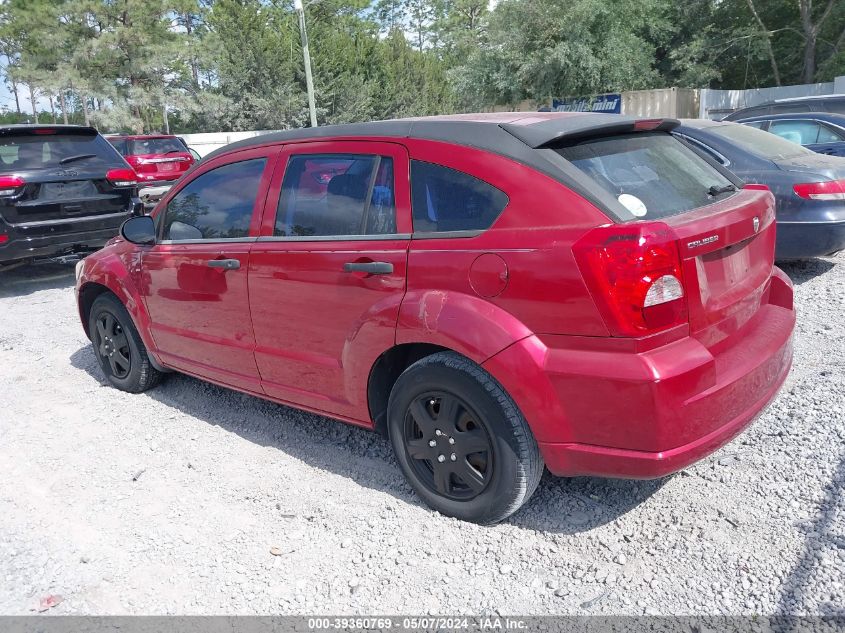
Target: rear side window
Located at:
point(757, 142)
point(215, 205)
point(326, 195)
point(801, 132)
point(157, 146)
point(51, 151)
point(120, 145)
point(653, 175)
point(445, 200)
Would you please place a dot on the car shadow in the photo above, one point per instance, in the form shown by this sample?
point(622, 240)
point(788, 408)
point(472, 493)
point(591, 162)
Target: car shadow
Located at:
point(804, 270)
point(565, 506)
point(30, 278)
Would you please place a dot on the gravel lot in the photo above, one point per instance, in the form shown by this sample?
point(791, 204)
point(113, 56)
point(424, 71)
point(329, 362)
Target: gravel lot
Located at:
point(170, 502)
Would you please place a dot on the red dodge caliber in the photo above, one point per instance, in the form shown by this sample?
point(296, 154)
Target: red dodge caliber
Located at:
point(496, 293)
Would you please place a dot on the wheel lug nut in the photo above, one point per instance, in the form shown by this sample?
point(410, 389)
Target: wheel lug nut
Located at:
point(451, 440)
point(432, 443)
point(454, 457)
point(438, 432)
point(441, 458)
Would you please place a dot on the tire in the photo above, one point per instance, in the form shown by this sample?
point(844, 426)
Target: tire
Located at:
point(118, 346)
point(484, 462)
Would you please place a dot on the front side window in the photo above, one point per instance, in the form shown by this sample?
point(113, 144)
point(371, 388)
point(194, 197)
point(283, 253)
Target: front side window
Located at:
point(757, 124)
point(326, 195)
point(801, 132)
point(445, 200)
point(653, 175)
point(215, 205)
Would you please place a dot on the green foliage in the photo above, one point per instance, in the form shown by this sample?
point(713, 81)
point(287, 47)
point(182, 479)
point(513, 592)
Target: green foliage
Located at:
point(204, 65)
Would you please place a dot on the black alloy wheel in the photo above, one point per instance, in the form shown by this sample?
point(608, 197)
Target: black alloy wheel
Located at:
point(450, 449)
point(113, 345)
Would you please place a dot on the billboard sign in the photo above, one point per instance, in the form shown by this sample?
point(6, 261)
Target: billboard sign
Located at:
point(609, 103)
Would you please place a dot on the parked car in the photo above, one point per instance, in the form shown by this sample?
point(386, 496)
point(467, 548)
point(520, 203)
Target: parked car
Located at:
point(493, 292)
point(809, 187)
point(821, 133)
point(834, 104)
point(158, 159)
point(63, 190)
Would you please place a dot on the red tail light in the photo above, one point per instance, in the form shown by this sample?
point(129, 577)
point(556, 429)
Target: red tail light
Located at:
point(122, 177)
point(828, 190)
point(3, 238)
point(9, 185)
point(634, 275)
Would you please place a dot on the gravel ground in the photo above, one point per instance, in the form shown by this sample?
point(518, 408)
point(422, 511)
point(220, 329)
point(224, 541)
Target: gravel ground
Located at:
point(171, 501)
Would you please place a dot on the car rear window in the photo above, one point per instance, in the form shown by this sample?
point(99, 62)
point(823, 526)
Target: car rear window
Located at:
point(758, 142)
point(653, 175)
point(157, 146)
point(51, 150)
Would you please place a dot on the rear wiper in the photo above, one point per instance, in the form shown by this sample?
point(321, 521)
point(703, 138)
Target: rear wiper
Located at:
point(715, 191)
point(70, 159)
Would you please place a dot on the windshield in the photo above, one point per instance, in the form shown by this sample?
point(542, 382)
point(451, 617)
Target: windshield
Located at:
point(653, 175)
point(157, 146)
point(758, 142)
point(51, 150)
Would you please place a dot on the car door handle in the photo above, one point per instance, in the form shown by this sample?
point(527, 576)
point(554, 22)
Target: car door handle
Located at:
point(373, 268)
point(225, 264)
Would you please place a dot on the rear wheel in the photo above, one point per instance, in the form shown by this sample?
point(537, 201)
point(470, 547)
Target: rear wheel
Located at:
point(461, 440)
point(118, 346)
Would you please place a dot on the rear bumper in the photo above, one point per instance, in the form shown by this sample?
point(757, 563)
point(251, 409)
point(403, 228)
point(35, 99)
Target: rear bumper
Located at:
point(607, 407)
point(85, 235)
point(585, 459)
point(800, 240)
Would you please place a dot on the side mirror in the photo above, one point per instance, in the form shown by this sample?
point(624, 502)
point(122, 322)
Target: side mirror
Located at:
point(195, 154)
point(139, 230)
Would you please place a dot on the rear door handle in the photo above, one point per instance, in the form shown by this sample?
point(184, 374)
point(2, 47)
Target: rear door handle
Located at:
point(373, 268)
point(225, 264)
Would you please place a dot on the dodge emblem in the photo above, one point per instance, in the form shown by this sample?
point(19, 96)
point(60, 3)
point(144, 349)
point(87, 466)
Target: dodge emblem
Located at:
point(756, 224)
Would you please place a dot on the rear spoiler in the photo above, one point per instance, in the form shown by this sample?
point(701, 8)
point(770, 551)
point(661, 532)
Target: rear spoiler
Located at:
point(572, 129)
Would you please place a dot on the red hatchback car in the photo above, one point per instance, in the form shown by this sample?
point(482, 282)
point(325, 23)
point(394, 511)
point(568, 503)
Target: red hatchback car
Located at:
point(156, 158)
point(494, 292)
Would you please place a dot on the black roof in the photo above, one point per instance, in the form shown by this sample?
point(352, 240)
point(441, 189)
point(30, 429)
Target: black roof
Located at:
point(494, 132)
point(525, 137)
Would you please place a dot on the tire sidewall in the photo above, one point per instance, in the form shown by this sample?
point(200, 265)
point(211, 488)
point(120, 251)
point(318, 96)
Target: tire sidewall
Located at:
point(503, 490)
point(107, 304)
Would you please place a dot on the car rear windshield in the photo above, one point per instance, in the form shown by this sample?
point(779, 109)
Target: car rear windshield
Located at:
point(157, 146)
point(758, 142)
point(653, 175)
point(48, 150)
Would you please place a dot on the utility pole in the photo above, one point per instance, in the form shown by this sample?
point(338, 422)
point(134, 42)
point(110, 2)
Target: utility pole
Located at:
point(309, 82)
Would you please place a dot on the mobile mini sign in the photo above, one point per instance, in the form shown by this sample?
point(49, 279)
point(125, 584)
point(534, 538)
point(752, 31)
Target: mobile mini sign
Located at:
point(610, 103)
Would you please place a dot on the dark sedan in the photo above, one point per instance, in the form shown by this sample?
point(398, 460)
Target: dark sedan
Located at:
point(818, 131)
point(809, 187)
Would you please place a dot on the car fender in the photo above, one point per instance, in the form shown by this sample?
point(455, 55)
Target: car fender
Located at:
point(463, 323)
point(493, 338)
point(112, 271)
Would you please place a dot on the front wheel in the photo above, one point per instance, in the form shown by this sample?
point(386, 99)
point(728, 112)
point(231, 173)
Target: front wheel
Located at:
point(461, 441)
point(118, 346)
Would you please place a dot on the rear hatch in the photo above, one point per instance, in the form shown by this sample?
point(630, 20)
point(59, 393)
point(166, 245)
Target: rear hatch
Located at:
point(51, 178)
point(689, 245)
point(158, 158)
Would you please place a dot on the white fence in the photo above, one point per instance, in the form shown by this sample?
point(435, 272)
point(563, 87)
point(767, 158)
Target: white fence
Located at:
point(715, 104)
point(205, 143)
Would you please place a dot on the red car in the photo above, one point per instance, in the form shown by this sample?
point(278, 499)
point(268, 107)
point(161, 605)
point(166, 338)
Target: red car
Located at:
point(494, 292)
point(155, 158)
